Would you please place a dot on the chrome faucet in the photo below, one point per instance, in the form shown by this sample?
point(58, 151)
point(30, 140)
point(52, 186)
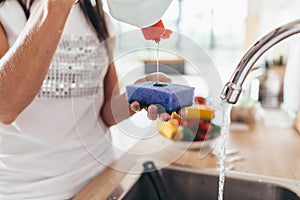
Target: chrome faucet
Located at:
point(233, 88)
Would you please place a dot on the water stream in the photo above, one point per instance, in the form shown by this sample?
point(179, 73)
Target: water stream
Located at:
point(224, 134)
point(223, 142)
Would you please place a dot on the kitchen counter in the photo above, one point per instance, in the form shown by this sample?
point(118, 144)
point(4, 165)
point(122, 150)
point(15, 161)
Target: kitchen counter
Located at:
point(264, 149)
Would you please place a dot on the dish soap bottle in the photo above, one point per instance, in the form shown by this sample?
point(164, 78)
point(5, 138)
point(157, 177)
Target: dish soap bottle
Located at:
point(270, 88)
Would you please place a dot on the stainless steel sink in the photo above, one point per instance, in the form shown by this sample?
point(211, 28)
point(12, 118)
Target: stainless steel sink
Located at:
point(187, 183)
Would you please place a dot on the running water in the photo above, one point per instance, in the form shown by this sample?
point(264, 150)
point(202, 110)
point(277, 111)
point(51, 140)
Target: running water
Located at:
point(224, 139)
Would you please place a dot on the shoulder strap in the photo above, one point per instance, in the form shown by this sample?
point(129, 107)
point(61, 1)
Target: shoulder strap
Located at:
point(26, 7)
point(92, 11)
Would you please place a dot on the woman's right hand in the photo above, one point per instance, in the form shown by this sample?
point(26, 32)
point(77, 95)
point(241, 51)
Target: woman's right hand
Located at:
point(24, 67)
point(64, 2)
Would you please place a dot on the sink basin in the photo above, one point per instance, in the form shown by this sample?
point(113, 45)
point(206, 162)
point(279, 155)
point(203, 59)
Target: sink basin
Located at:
point(184, 182)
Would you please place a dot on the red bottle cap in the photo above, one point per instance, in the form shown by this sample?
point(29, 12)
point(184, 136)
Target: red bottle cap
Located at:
point(156, 32)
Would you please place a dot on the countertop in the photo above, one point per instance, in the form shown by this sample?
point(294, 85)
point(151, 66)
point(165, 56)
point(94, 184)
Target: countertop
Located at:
point(264, 148)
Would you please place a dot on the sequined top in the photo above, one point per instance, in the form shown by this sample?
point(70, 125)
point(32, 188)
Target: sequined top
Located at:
point(59, 142)
point(76, 68)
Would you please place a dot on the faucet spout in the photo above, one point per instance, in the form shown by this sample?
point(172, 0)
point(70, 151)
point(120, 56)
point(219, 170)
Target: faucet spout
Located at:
point(233, 88)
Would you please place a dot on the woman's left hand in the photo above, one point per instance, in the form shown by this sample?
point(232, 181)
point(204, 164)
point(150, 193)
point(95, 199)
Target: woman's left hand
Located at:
point(155, 77)
point(154, 111)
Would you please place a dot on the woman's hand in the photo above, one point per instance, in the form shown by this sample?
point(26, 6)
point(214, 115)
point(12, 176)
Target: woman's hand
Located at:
point(155, 77)
point(62, 3)
point(155, 111)
point(24, 67)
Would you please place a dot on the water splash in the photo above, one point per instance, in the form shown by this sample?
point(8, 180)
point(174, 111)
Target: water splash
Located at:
point(223, 144)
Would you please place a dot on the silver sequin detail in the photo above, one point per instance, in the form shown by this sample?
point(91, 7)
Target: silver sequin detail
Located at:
point(76, 68)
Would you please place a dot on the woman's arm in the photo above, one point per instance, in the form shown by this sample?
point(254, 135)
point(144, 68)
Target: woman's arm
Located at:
point(3, 42)
point(24, 66)
point(115, 107)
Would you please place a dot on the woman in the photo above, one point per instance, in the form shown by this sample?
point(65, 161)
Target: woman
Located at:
point(58, 84)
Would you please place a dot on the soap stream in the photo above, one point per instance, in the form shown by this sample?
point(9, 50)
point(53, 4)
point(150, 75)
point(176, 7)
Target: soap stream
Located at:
point(157, 62)
point(224, 139)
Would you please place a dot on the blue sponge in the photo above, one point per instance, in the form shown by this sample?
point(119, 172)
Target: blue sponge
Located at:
point(168, 95)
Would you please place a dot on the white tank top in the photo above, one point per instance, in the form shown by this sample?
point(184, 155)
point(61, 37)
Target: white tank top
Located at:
point(59, 142)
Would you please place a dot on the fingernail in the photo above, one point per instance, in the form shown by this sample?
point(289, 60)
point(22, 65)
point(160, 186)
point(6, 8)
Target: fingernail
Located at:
point(135, 106)
point(182, 112)
point(152, 116)
point(164, 117)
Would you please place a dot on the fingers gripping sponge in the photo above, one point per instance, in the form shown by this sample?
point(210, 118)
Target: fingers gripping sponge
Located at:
point(168, 95)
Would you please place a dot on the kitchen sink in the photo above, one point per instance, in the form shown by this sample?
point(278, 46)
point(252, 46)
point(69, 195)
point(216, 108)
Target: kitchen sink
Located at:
point(188, 183)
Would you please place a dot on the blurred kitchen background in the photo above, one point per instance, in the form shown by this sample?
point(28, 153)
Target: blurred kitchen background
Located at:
point(225, 30)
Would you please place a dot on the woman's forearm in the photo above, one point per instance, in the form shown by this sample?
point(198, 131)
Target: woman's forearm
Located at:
point(115, 110)
point(25, 65)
